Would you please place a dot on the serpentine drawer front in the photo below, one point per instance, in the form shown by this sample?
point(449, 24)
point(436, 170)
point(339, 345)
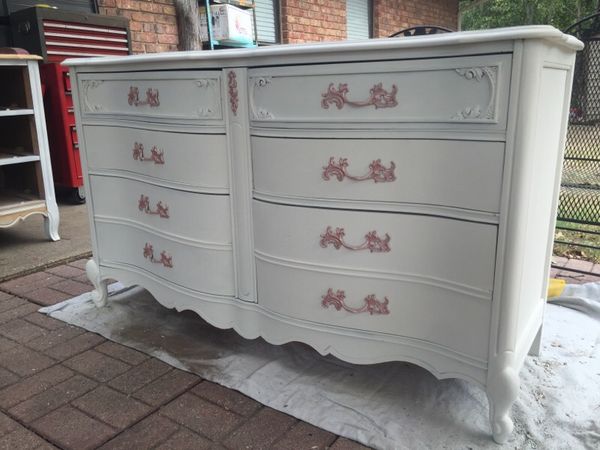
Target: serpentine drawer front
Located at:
point(195, 162)
point(175, 213)
point(167, 258)
point(415, 248)
point(458, 174)
point(382, 200)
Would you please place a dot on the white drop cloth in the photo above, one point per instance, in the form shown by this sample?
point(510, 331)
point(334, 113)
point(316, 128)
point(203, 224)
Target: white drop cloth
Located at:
point(389, 406)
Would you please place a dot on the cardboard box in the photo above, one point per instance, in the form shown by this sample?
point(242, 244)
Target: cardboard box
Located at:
point(229, 24)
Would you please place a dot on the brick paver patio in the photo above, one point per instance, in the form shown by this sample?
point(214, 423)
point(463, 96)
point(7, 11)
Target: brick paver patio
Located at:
point(64, 387)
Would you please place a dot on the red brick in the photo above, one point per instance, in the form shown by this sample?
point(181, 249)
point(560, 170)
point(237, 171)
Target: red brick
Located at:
point(226, 398)
point(51, 399)
point(168, 9)
point(167, 39)
point(260, 431)
point(148, 433)
point(29, 283)
point(125, 354)
point(201, 416)
point(112, 407)
point(167, 387)
point(31, 386)
point(7, 378)
point(21, 331)
point(97, 366)
point(21, 439)
point(24, 309)
point(185, 440)
point(45, 321)
point(72, 429)
point(80, 263)
point(304, 435)
point(46, 296)
point(143, 17)
point(72, 287)
point(66, 271)
point(579, 264)
point(24, 362)
point(55, 337)
point(83, 278)
point(6, 344)
point(7, 424)
point(139, 376)
point(10, 302)
point(74, 346)
point(346, 444)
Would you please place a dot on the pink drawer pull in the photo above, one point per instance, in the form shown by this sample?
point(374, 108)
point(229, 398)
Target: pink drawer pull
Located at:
point(151, 97)
point(165, 259)
point(161, 210)
point(371, 304)
point(378, 97)
point(377, 171)
point(156, 155)
point(372, 242)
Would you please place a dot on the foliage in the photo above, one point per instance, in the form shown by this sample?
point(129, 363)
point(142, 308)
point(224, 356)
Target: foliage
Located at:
point(478, 14)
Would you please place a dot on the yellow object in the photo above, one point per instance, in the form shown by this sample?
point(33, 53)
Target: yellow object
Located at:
point(555, 287)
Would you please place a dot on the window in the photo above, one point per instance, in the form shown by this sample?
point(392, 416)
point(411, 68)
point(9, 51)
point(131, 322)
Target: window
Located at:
point(358, 19)
point(266, 23)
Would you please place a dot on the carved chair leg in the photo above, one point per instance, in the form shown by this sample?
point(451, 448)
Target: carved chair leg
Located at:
point(502, 391)
point(100, 294)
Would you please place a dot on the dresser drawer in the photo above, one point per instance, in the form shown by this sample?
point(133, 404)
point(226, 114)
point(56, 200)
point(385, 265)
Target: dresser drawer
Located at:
point(203, 267)
point(399, 307)
point(458, 174)
point(423, 248)
point(446, 91)
point(187, 160)
point(169, 96)
point(179, 214)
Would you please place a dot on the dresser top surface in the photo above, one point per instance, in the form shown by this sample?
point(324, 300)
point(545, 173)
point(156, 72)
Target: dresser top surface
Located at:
point(254, 56)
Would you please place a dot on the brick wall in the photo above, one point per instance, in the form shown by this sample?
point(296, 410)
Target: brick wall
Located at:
point(390, 16)
point(152, 22)
point(312, 20)
point(154, 26)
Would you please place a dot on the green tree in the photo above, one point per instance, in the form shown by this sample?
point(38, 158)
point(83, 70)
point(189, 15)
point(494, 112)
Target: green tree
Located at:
point(481, 14)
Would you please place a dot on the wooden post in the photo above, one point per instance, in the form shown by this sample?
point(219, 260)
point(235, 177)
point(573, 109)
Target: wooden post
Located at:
point(188, 24)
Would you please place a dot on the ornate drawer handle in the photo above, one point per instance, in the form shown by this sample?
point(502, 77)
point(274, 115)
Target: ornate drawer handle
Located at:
point(161, 210)
point(378, 97)
point(373, 243)
point(151, 97)
point(233, 91)
point(377, 171)
point(165, 259)
point(371, 304)
point(156, 155)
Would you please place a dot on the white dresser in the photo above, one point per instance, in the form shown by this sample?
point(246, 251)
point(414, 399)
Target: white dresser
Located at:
point(381, 200)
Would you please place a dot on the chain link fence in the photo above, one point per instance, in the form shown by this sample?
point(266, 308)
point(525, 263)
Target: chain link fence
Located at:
point(578, 218)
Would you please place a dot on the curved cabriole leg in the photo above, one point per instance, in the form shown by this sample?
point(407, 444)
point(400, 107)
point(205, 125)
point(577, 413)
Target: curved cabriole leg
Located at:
point(502, 391)
point(51, 222)
point(100, 294)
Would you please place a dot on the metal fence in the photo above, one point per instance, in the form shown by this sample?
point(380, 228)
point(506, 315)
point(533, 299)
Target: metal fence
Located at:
point(578, 227)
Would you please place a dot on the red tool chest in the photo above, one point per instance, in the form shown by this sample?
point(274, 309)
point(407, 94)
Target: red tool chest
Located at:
point(56, 35)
